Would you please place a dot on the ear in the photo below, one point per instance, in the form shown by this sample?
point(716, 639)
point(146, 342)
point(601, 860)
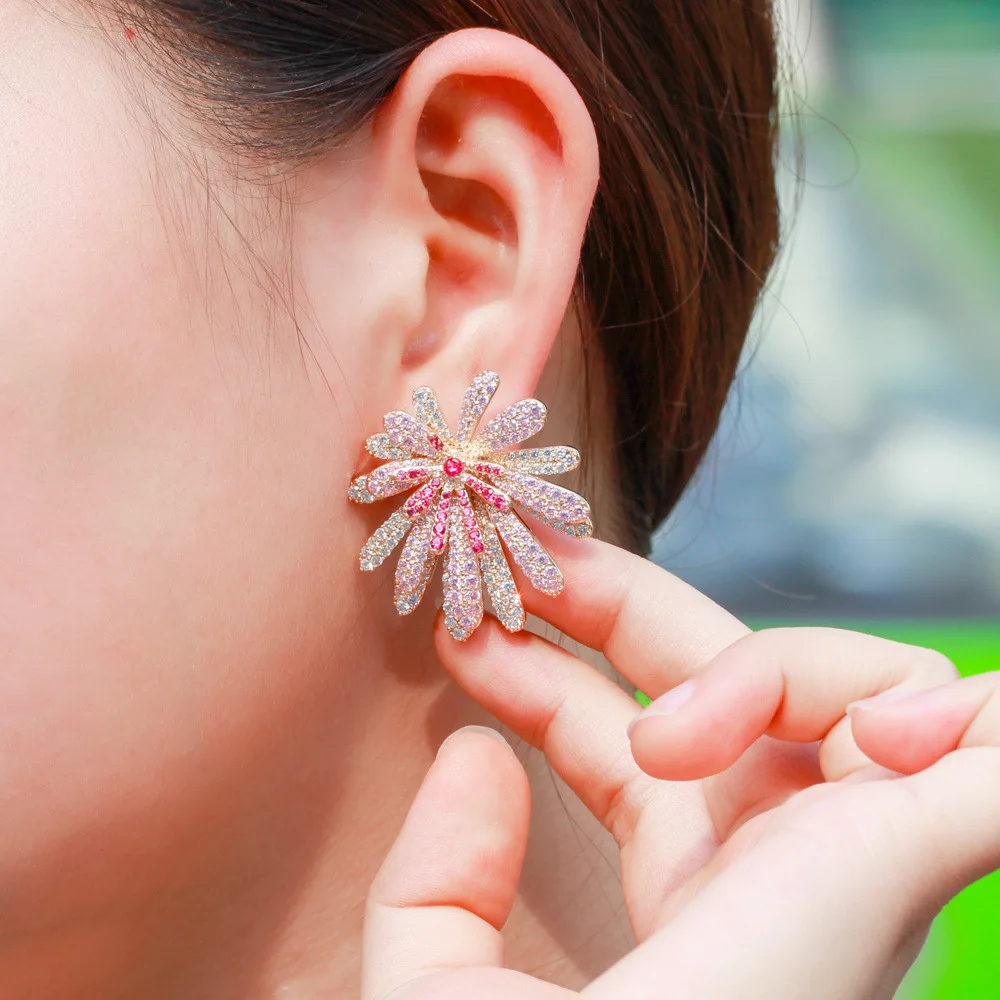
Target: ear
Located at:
point(486, 154)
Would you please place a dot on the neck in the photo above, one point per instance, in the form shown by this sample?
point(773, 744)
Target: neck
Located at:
point(265, 898)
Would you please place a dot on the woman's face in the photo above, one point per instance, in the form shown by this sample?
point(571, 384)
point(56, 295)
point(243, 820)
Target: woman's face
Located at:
point(190, 661)
point(174, 540)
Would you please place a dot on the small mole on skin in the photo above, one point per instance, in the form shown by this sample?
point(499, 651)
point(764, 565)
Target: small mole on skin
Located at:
point(130, 33)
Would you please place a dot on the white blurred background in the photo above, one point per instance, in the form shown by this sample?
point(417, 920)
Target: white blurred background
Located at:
point(857, 472)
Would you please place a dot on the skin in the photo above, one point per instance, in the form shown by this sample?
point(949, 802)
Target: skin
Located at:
point(211, 725)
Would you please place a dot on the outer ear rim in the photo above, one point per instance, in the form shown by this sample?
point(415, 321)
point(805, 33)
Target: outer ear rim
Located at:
point(487, 52)
point(542, 298)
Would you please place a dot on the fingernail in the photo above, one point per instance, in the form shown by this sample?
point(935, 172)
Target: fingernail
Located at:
point(484, 730)
point(878, 700)
point(666, 704)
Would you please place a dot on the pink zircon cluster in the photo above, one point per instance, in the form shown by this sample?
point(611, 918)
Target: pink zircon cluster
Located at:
point(470, 493)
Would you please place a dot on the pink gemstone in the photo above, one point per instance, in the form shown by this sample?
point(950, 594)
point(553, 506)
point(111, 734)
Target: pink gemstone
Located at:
point(477, 545)
point(452, 467)
point(437, 543)
point(415, 473)
point(499, 503)
point(435, 482)
point(486, 493)
point(439, 528)
point(436, 442)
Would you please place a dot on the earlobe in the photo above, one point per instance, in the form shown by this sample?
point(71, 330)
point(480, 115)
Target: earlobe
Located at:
point(488, 150)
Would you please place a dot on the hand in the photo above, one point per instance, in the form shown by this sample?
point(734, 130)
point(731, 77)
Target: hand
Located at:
point(786, 869)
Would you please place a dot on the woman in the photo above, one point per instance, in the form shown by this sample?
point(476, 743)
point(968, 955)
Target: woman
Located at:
point(234, 235)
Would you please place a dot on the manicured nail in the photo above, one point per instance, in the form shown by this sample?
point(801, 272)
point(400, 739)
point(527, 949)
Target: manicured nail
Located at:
point(666, 704)
point(485, 730)
point(878, 700)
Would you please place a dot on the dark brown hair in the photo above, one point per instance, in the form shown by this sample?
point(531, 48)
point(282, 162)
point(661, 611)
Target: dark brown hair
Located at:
point(685, 224)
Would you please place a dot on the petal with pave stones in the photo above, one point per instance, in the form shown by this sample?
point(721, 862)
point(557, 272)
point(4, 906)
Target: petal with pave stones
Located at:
point(548, 502)
point(536, 564)
point(358, 491)
point(499, 580)
point(415, 566)
point(463, 589)
point(381, 446)
point(394, 477)
point(384, 539)
point(520, 421)
point(477, 398)
point(406, 431)
point(428, 411)
point(542, 461)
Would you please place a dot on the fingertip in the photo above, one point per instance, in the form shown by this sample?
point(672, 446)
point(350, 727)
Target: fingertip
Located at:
point(484, 753)
point(879, 701)
point(903, 749)
point(678, 750)
point(466, 831)
point(696, 729)
point(908, 731)
point(474, 732)
point(448, 883)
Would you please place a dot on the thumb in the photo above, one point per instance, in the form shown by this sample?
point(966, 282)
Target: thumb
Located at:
point(449, 881)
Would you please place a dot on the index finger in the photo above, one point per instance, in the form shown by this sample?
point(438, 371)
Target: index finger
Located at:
point(792, 684)
point(654, 628)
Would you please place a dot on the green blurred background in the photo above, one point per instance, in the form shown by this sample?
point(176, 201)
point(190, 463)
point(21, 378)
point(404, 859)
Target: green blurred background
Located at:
point(856, 478)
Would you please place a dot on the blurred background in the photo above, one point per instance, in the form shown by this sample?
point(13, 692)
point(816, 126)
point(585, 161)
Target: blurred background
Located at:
point(856, 478)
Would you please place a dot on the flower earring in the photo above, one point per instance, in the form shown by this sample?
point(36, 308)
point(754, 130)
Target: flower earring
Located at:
point(470, 493)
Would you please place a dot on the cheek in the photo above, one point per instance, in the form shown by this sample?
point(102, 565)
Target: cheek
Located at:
point(171, 534)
